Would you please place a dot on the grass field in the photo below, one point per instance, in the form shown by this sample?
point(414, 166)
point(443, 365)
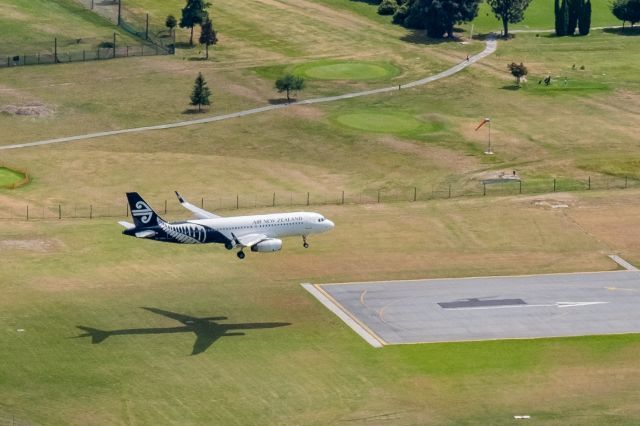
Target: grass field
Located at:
point(29, 27)
point(58, 275)
point(314, 370)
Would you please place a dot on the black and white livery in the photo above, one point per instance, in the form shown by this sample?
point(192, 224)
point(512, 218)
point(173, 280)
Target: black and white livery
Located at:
point(260, 233)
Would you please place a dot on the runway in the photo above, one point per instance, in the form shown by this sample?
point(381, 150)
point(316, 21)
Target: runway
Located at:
point(487, 308)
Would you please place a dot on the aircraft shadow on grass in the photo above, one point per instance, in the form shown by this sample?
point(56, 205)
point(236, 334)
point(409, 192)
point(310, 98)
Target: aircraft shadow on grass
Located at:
point(206, 329)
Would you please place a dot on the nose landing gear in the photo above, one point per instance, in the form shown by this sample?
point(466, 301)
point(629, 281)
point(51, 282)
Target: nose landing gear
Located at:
point(304, 242)
point(241, 254)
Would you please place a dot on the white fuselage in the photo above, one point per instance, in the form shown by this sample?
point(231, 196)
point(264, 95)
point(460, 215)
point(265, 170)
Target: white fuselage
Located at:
point(271, 225)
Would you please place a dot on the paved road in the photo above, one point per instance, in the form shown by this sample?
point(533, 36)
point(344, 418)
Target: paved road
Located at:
point(449, 310)
point(490, 47)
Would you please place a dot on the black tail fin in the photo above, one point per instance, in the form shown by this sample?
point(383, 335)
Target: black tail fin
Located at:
point(143, 216)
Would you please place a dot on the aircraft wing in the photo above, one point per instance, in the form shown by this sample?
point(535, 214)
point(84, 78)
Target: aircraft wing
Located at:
point(249, 240)
point(197, 211)
point(127, 225)
point(185, 319)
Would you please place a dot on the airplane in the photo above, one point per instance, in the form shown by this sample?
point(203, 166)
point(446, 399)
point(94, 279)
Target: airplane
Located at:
point(260, 233)
point(206, 329)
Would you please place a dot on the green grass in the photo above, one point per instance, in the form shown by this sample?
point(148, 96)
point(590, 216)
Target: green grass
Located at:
point(29, 27)
point(351, 70)
point(385, 123)
point(9, 177)
point(56, 275)
point(315, 370)
point(540, 15)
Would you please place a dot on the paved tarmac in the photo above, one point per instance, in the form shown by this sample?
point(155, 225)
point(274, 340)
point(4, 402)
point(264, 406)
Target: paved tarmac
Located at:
point(452, 310)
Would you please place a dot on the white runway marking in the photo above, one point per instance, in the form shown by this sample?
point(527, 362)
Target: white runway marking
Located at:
point(553, 305)
point(329, 304)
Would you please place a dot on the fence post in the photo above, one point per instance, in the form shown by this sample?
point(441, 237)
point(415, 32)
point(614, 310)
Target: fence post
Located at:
point(165, 206)
point(8, 61)
point(127, 54)
point(84, 56)
point(554, 184)
point(342, 198)
point(307, 198)
point(449, 190)
point(625, 182)
point(202, 202)
point(146, 31)
point(415, 193)
point(98, 53)
point(378, 195)
point(27, 211)
point(589, 183)
point(90, 211)
point(38, 58)
point(274, 199)
point(484, 189)
point(237, 201)
point(114, 35)
point(59, 211)
point(520, 190)
point(55, 50)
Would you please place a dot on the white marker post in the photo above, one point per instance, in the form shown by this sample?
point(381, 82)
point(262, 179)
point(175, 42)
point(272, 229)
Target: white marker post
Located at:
point(489, 151)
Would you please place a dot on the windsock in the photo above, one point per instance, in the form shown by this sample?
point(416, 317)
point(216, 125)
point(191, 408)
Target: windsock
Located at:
point(485, 121)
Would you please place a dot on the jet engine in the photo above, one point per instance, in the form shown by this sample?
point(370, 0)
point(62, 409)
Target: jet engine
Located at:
point(272, 244)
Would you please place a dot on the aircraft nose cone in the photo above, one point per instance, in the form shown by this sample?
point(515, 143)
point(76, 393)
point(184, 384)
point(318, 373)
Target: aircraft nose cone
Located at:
point(330, 224)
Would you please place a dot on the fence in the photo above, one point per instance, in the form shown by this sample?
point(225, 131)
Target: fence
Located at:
point(141, 25)
point(154, 40)
point(67, 210)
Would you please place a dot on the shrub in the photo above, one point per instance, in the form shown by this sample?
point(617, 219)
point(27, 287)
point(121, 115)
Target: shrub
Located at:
point(400, 15)
point(388, 7)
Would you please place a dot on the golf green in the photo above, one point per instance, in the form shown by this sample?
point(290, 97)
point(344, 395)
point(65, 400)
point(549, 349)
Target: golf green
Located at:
point(378, 122)
point(9, 177)
point(346, 70)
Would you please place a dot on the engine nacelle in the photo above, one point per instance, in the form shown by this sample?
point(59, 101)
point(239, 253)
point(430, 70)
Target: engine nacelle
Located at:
point(272, 244)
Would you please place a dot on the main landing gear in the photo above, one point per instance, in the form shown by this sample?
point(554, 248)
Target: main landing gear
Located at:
point(304, 242)
point(241, 254)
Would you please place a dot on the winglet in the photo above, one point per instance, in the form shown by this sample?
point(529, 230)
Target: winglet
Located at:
point(198, 212)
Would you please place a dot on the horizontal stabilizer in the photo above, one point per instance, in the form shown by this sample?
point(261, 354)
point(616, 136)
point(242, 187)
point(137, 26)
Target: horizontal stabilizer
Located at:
point(197, 211)
point(127, 225)
point(146, 234)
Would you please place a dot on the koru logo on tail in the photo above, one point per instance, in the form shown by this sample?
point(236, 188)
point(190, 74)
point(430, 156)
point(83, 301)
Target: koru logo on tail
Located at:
point(143, 211)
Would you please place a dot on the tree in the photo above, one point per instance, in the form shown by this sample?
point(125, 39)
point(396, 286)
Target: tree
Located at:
point(201, 93)
point(618, 8)
point(289, 83)
point(509, 11)
point(439, 16)
point(560, 28)
point(575, 7)
point(194, 13)
point(208, 36)
point(518, 71)
point(626, 10)
point(584, 22)
point(171, 23)
point(387, 7)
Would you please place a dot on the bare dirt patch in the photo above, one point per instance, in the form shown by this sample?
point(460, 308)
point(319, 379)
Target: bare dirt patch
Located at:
point(32, 109)
point(37, 245)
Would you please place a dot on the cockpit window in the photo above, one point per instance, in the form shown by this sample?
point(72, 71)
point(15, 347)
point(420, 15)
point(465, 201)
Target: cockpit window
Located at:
point(321, 219)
